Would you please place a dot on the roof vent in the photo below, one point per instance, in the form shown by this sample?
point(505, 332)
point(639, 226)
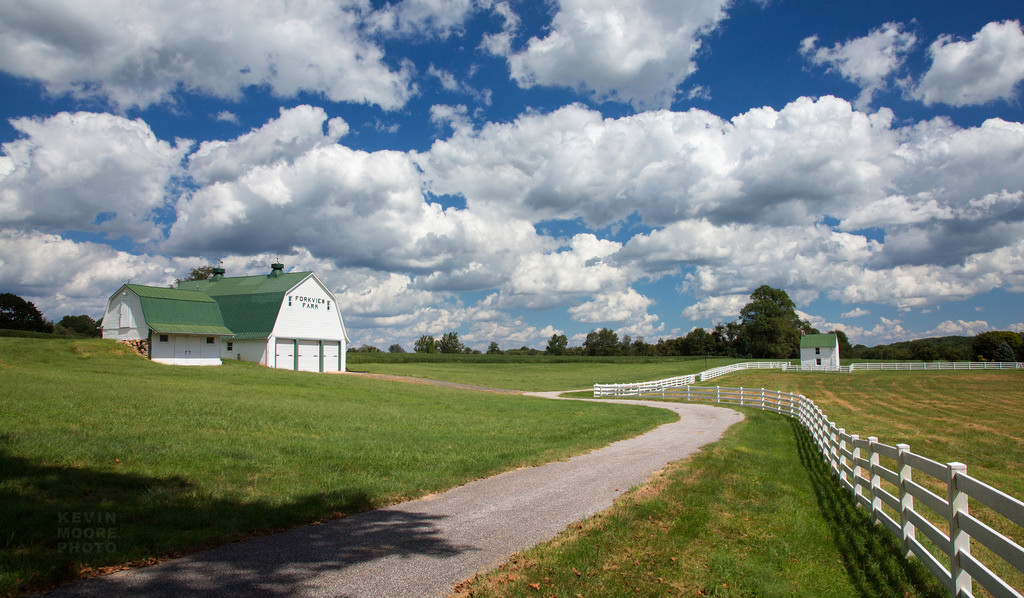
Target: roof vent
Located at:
point(218, 274)
point(276, 269)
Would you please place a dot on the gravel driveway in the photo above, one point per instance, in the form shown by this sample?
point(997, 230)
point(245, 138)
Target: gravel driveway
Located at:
point(425, 547)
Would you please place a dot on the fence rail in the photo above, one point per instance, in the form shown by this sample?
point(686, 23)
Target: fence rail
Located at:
point(631, 389)
point(885, 480)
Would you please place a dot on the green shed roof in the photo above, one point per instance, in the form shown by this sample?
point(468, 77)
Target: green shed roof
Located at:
point(179, 311)
point(249, 304)
point(811, 341)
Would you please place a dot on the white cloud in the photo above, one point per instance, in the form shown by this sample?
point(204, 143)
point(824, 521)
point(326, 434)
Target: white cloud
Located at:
point(423, 17)
point(64, 277)
point(138, 54)
point(227, 116)
point(866, 61)
point(989, 67)
point(638, 53)
point(89, 172)
point(296, 131)
point(856, 312)
point(959, 328)
point(616, 306)
point(719, 308)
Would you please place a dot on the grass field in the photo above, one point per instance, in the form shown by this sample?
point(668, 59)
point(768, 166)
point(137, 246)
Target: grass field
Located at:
point(537, 372)
point(753, 515)
point(973, 417)
point(172, 459)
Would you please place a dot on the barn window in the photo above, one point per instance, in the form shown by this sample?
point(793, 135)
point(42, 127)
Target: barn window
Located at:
point(163, 338)
point(289, 300)
point(328, 306)
point(209, 340)
point(229, 345)
point(817, 362)
point(817, 351)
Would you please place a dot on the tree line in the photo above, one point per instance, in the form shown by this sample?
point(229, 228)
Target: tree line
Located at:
point(18, 314)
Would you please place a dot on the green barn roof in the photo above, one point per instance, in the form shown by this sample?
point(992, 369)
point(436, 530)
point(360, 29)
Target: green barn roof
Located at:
point(179, 311)
point(248, 304)
point(811, 341)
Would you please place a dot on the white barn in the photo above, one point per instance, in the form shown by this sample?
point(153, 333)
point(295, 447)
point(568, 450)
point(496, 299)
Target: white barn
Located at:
point(173, 326)
point(281, 320)
point(819, 352)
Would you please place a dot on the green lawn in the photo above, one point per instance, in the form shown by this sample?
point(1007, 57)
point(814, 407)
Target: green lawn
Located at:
point(535, 373)
point(755, 514)
point(173, 459)
point(758, 515)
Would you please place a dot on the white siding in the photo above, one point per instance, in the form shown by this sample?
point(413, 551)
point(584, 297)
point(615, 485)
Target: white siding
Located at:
point(186, 349)
point(309, 312)
point(825, 358)
point(123, 319)
point(246, 350)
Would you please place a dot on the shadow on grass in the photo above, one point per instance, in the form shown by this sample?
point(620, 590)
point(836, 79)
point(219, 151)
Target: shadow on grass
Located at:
point(871, 555)
point(56, 520)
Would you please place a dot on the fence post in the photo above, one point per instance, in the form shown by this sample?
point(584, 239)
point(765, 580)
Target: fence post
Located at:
point(718, 394)
point(959, 540)
point(906, 498)
point(841, 458)
point(741, 396)
point(857, 490)
point(833, 442)
point(876, 480)
point(762, 398)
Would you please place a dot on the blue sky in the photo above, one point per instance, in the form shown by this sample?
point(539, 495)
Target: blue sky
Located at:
point(512, 170)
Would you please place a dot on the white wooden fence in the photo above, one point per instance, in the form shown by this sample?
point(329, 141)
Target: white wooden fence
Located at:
point(881, 478)
point(630, 389)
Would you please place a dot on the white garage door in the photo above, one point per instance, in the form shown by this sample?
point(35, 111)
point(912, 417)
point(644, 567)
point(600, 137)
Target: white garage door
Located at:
point(309, 356)
point(331, 349)
point(285, 354)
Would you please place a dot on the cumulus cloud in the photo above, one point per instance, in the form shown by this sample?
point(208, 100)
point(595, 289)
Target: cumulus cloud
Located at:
point(295, 132)
point(856, 312)
point(719, 308)
point(867, 61)
point(89, 172)
point(138, 54)
point(426, 17)
point(62, 276)
point(636, 53)
point(987, 68)
point(617, 306)
point(960, 328)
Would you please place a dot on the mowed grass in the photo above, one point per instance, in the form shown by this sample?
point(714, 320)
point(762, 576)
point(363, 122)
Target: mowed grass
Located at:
point(173, 459)
point(758, 514)
point(533, 373)
point(755, 514)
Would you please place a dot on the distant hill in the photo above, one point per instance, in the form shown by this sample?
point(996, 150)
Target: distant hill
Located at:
point(942, 348)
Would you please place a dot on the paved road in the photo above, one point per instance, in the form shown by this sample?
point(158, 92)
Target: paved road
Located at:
point(425, 547)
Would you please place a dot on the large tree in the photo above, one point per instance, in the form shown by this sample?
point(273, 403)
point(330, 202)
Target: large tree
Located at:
point(986, 344)
point(602, 342)
point(557, 344)
point(18, 314)
point(82, 325)
point(425, 344)
point(769, 324)
point(197, 273)
point(450, 343)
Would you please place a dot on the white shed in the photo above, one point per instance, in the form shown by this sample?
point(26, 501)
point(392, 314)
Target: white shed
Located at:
point(172, 326)
point(819, 352)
